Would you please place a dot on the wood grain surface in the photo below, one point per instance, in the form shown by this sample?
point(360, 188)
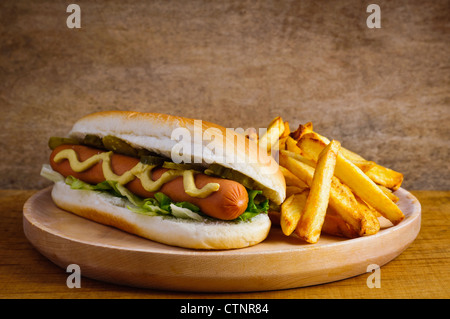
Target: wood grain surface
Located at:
point(421, 271)
point(110, 255)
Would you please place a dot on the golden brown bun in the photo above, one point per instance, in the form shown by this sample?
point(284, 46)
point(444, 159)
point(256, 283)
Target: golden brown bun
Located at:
point(160, 133)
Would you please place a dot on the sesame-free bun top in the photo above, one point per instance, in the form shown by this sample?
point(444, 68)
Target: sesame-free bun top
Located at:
point(188, 140)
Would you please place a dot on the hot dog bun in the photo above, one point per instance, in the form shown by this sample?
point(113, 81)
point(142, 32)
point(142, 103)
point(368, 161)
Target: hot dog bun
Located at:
point(226, 204)
point(104, 209)
point(153, 131)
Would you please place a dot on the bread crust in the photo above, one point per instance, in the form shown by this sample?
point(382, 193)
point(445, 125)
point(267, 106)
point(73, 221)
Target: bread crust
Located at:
point(102, 208)
point(155, 132)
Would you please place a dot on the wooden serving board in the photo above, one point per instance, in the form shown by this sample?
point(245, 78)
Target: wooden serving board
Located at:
point(280, 262)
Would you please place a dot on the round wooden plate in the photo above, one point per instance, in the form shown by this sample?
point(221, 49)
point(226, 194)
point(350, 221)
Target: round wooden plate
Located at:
point(280, 262)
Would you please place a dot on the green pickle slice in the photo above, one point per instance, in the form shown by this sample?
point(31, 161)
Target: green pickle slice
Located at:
point(117, 145)
point(152, 160)
point(93, 141)
point(228, 173)
point(56, 141)
point(110, 143)
point(183, 166)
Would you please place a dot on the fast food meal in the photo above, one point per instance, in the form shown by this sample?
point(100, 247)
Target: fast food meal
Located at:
point(194, 184)
point(150, 175)
point(329, 188)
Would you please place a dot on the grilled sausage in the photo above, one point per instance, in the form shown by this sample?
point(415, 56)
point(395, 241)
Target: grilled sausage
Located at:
point(228, 203)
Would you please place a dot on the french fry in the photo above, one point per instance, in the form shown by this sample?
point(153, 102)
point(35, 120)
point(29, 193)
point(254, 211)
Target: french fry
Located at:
point(281, 144)
point(301, 130)
point(357, 159)
point(291, 179)
point(291, 211)
point(385, 176)
point(288, 225)
point(356, 179)
point(344, 203)
point(291, 145)
point(333, 223)
point(373, 210)
point(286, 131)
point(272, 135)
point(329, 189)
point(351, 156)
point(389, 193)
point(364, 165)
point(299, 157)
point(283, 137)
point(341, 200)
point(371, 223)
point(377, 173)
point(313, 214)
point(336, 226)
point(292, 190)
point(303, 171)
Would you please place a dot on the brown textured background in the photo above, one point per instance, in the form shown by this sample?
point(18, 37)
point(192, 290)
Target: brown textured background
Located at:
point(384, 93)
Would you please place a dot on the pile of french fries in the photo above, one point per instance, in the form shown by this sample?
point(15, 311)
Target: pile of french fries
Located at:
point(329, 189)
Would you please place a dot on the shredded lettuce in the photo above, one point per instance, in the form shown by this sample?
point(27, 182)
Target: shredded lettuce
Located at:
point(182, 212)
point(50, 174)
point(110, 187)
point(254, 206)
point(163, 205)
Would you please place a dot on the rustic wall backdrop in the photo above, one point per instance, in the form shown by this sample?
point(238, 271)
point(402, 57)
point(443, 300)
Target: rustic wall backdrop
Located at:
point(384, 93)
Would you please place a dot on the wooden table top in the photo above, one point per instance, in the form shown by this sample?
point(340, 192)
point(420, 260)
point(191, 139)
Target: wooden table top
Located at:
point(421, 271)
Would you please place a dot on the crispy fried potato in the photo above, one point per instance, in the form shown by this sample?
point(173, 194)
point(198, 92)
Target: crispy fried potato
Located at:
point(341, 199)
point(313, 214)
point(283, 137)
point(373, 210)
point(272, 135)
point(291, 211)
point(292, 190)
point(385, 176)
point(378, 174)
point(291, 145)
point(351, 156)
point(371, 223)
point(364, 165)
point(301, 130)
point(346, 204)
point(336, 226)
point(287, 130)
point(303, 171)
point(353, 177)
point(389, 193)
point(281, 144)
point(357, 159)
point(299, 157)
point(291, 179)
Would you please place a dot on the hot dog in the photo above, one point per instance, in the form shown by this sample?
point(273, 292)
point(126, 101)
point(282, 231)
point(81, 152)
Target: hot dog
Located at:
point(214, 204)
point(229, 202)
